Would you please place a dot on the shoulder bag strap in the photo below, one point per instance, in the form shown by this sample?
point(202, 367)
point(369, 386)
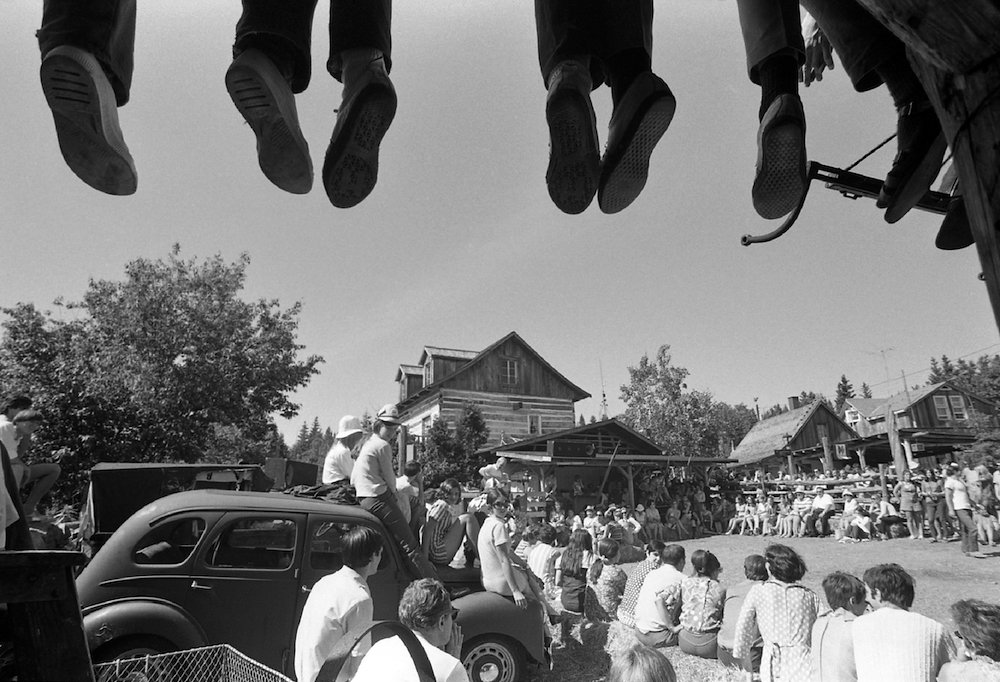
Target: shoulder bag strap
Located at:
point(338, 657)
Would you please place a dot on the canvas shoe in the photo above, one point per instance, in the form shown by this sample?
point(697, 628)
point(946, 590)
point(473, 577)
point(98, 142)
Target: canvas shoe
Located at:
point(350, 169)
point(637, 124)
point(265, 100)
point(921, 146)
point(85, 113)
point(780, 179)
point(574, 157)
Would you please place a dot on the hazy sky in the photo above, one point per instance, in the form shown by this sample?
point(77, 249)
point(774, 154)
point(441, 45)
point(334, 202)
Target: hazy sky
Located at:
point(459, 243)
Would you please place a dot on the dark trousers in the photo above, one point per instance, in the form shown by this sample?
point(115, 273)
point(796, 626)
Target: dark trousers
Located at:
point(771, 27)
point(105, 28)
point(384, 507)
point(967, 530)
point(286, 27)
point(818, 522)
point(596, 28)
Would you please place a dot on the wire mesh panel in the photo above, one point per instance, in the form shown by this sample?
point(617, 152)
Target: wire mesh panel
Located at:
point(219, 663)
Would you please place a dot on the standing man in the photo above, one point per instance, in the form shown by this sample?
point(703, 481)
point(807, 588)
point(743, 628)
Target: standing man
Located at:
point(338, 602)
point(339, 462)
point(653, 623)
point(956, 494)
point(374, 482)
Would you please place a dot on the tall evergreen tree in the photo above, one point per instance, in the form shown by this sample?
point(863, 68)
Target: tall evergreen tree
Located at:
point(866, 391)
point(844, 391)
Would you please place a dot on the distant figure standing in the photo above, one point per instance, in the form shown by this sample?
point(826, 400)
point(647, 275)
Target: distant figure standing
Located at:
point(956, 494)
point(339, 462)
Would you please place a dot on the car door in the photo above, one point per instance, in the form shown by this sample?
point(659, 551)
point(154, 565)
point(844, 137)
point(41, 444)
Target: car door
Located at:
point(245, 582)
point(323, 556)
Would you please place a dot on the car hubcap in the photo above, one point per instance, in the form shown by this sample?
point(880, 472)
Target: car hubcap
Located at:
point(491, 663)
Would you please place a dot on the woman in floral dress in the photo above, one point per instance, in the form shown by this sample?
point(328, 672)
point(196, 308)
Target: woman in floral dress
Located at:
point(784, 611)
point(606, 583)
point(701, 598)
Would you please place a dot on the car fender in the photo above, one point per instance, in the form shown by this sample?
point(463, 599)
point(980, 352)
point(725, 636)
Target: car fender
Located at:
point(108, 622)
point(483, 613)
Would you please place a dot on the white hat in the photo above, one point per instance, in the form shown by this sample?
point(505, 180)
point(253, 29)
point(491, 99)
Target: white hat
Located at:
point(639, 508)
point(349, 425)
point(389, 415)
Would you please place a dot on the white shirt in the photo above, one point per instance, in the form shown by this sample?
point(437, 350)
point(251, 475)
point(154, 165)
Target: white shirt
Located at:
point(893, 645)
point(823, 501)
point(338, 602)
point(338, 464)
point(8, 436)
point(959, 493)
point(389, 661)
point(373, 473)
point(647, 613)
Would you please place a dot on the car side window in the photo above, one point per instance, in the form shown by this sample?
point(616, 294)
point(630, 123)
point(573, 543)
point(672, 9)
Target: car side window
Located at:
point(325, 551)
point(255, 542)
point(169, 543)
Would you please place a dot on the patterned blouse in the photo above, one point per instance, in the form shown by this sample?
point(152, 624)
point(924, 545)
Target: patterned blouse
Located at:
point(701, 600)
point(440, 512)
point(604, 596)
point(784, 613)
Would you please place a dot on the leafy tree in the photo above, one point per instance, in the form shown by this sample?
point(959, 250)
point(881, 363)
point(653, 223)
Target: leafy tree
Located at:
point(593, 419)
point(986, 447)
point(165, 365)
point(450, 454)
point(774, 411)
point(866, 391)
point(732, 422)
point(582, 421)
point(844, 391)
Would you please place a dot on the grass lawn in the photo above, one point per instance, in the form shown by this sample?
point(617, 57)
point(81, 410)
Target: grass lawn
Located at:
point(943, 576)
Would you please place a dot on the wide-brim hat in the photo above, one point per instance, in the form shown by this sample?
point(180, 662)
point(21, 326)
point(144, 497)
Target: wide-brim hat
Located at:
point(818, 488)
point(848, 492)
point(639, 508)
point(389, 414)
point(349, 425)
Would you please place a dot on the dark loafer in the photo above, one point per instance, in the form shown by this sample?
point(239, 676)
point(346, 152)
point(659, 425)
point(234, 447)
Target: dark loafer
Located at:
point(955, 232)
point(574, 157)
point(265, 100)
point(921, 145)
point(85, 113)
point(350, 169)
point(637, 124)
point(780, 179)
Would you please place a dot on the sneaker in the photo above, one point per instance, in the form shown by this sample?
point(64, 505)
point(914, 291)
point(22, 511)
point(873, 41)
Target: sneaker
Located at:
point(265, 100)
point(921, 145)
point(977, 555)
point(574, 158)
point(780, 180)
point(637, 124)
point(955, 232)
point(350, 169)
point(85, 113)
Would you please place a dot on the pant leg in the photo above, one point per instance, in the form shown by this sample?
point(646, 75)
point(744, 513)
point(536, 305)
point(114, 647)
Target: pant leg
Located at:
point(770, 28)
point(967, 529)
point(598, 28)
point(384, 507)
point(279, 29)
point(359, 24)
point(105, 28)
point(861, 42)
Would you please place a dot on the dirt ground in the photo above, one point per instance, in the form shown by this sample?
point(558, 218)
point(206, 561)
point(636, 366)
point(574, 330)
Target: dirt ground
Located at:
point(943, 576)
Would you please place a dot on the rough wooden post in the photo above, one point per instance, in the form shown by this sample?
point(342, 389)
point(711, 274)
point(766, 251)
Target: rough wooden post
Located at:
point(955, 51)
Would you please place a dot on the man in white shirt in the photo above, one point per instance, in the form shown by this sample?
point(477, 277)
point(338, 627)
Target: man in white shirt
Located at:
point(823, 507)
point(893, 644)
point(339, 462)
point(956, 494)
point(337, 603)
point(426, 609)
point(653, 623)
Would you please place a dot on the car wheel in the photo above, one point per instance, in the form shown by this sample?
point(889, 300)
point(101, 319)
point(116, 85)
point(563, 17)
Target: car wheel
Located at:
point(494, 658)
point(132, 647)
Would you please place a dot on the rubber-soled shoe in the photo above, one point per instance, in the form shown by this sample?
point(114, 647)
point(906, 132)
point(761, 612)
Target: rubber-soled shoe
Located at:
point(350, 169)
point(265, 100)
point(574, 148)
point(780, 179)
point(955, 232)
point(86, 117)
point(921, 145)
point(637, 124)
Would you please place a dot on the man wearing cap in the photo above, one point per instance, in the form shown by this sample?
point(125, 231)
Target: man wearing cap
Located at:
point(374, 482)
point(339, 462)
point(823, 506)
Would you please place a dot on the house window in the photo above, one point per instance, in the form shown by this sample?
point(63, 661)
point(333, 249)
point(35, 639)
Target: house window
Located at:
point(428, 373)
point(941, 406)
point(852, 416)
point(508, 371)
point(534, 424)
point(958, 407)
point(425, 426)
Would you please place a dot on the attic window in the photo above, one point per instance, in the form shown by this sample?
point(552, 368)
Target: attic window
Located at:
point(958, 407)
point(508, 371)
point(428, 373)
point(941, 407)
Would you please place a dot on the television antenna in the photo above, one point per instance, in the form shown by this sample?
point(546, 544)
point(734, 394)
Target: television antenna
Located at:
point(604, 397)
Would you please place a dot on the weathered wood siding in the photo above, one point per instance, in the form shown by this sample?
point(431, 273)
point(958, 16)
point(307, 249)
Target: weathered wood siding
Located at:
point(501, 416)
point(444, 367)
point(533, 377)
point(810, 436)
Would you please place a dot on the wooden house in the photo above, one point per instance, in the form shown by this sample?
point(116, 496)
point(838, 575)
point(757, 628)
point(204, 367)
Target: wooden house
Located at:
point(520, 394)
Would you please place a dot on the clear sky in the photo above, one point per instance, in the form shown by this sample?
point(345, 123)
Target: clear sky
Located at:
point(459, 244)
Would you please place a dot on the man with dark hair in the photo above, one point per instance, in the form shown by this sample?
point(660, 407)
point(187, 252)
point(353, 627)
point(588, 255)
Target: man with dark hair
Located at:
point(337, 603)
point(832, 646)
point(426, 609)
point(755, 571)
point(409, 490)
point(626, 609)
point(893, 644)
point(653, 624)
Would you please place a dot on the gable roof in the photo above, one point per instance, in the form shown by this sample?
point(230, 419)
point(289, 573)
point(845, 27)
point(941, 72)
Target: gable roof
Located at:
point(450, 353)
point(865, 406)
point(409, 369)
point(580, 394)
point(769, 434)
point(608, 437)
point(904, 400)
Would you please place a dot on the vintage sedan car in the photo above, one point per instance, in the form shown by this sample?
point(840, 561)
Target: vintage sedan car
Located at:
point(211, 567)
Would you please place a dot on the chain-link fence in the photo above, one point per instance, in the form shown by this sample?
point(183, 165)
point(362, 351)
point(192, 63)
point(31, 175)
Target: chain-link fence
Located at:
point(219, 663)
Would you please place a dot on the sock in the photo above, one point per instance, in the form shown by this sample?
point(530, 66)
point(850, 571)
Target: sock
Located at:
point(356, 63)
point(623, 68)
point(903, 84)
point(779, 75)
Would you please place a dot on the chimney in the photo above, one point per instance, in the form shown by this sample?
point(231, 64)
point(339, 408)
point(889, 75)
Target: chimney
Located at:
point(793, 402)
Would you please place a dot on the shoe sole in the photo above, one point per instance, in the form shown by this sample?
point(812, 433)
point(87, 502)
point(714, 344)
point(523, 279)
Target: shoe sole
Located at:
point(350, 169)
point(623, 178)
point(912, 189)
point(779, 185)
point(574, 160)
point(85, 113)
point(282, 151)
